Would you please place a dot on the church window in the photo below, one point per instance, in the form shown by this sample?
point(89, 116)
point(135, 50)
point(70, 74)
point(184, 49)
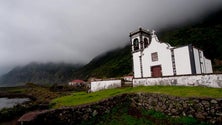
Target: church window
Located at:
point(154, 56)
point(136, 44)
point(146, 42)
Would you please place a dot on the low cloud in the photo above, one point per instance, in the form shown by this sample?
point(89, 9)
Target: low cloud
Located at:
point(76, 31)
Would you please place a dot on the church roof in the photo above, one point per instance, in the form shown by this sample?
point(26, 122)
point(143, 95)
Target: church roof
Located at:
point(140, 30)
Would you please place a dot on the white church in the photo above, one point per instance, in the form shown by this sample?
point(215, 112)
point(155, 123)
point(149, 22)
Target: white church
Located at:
point(159, 63)
point(153, 58)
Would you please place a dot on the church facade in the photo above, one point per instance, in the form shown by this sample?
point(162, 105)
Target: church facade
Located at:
point(152, 58)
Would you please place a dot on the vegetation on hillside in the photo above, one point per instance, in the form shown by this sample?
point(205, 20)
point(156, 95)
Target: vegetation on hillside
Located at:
point(48, 73)
point(182, 91)
point(115, 63)
point(205, 35)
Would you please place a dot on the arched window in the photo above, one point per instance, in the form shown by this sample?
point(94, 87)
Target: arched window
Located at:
point(146, 42)
point(136, 44)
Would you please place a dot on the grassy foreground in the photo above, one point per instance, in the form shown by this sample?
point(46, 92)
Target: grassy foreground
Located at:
point(79, 98)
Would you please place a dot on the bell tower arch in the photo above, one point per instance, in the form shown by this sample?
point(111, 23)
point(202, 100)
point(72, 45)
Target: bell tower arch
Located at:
point(140, 39)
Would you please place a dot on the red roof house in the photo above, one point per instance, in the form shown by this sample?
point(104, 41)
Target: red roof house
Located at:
point(128, 78)
point(76, 82)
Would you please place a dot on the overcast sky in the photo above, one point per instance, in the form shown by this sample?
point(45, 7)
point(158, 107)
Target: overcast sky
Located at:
point(75, 31)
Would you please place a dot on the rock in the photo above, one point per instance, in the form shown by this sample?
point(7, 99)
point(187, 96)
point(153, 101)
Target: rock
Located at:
point(212, 111)
point(85, 116)
point(164, 107)
point(185, 105)
point(160, 104)
point(95, 113)
point(219, 114)
point(214, 101)
point(205, 103)
point(200, 115)
point(174, 112)
point(184, 114)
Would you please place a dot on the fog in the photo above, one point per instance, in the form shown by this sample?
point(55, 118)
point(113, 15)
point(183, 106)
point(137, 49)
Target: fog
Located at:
point(75, 31)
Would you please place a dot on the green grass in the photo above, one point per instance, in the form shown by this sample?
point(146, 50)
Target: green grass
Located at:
point(79, 98)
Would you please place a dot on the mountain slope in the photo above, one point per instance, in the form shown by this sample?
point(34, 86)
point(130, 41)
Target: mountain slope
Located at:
point(47, 73)
point(205, 35)
point(115, 63)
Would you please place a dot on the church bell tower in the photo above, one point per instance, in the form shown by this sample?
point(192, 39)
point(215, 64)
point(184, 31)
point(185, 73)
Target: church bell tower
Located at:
point(140, 40)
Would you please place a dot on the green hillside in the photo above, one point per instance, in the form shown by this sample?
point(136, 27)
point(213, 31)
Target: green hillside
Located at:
point(47, 73)
point(115, 63)
point(206, 35)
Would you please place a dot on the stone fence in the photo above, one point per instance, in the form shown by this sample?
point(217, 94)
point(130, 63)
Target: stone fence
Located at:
point(204, 109)
point(208, 80)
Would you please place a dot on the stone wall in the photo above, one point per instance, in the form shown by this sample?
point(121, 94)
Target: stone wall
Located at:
point(204, 109)
point(77, 114)
point(210, 80)
point(106, 84)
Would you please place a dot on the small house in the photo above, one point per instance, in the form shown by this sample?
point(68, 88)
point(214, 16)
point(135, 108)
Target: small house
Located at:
point(128, 78)
point(77, 83)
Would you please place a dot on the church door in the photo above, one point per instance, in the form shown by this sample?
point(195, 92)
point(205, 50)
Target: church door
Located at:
point(156, 71)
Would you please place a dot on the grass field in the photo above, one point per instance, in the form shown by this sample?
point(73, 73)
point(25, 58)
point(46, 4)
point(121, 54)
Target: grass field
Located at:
point(79, 98)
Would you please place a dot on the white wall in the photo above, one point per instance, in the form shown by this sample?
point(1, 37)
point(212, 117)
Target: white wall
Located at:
point(101, 85)
point(182, 60)
point(208, 66)
point(213, 80)
point(202, 62)
point(203, 65)
point(164, 59)
point(197, 60)
point(136, 65)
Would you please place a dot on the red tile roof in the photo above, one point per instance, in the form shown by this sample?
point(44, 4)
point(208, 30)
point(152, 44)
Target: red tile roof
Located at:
point(78, 81)
point(128, 76)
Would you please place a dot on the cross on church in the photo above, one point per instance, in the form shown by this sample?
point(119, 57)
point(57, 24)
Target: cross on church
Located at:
point(153, 32)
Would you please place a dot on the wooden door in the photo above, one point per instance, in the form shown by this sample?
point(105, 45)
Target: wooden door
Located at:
point(156, 71)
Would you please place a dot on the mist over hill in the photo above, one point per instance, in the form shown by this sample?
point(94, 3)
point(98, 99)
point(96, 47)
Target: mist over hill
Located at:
point(40, 73)
point(115, 63)
point(204, 34)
